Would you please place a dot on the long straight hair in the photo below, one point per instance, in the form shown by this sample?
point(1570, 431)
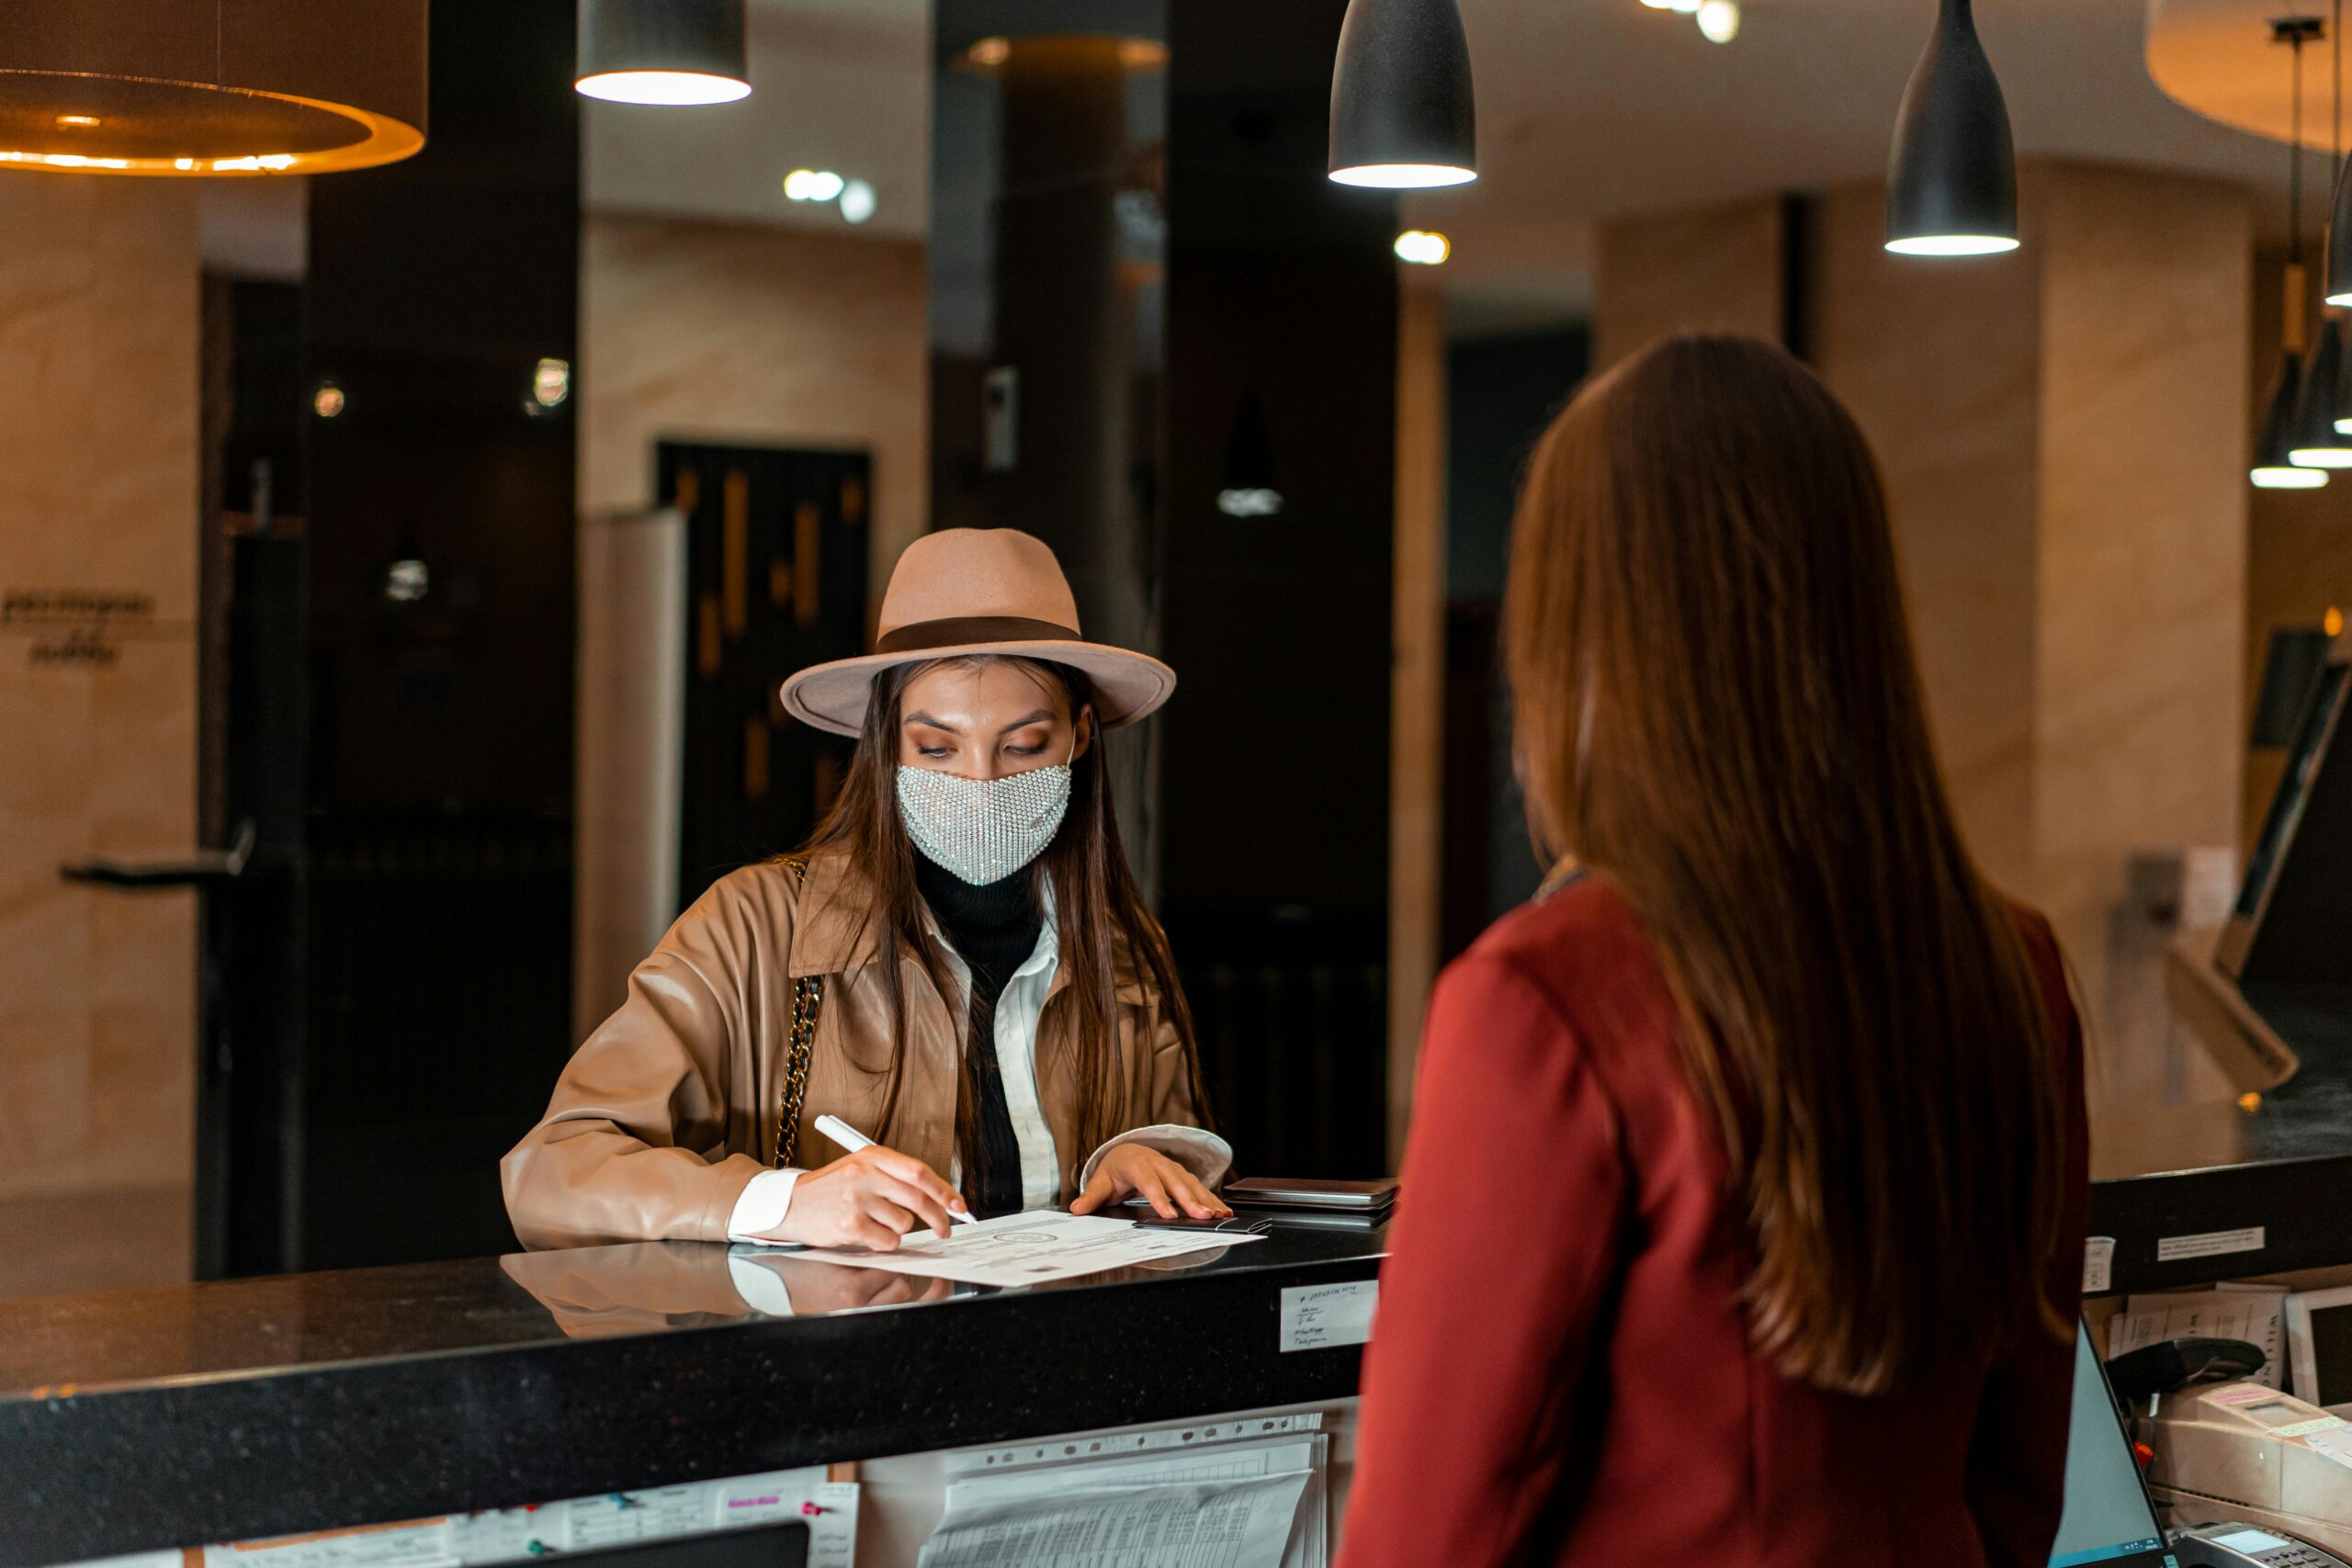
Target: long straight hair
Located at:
point(1100, 917)
point(1717, 709)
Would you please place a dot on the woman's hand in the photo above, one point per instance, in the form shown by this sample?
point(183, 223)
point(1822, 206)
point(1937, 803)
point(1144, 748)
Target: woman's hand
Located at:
point(868, 1199)
point(1133, 1168)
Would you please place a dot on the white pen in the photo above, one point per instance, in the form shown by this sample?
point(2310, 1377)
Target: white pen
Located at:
point(853, 1140)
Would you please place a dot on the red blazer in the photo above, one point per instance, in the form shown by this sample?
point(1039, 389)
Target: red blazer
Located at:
point(1559, 1370)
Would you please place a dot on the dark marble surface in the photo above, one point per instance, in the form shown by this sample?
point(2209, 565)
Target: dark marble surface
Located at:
point(2279, 1160)
point(140, 1419)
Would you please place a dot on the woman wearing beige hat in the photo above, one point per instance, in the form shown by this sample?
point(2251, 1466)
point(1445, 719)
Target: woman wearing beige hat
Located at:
point(959, 965)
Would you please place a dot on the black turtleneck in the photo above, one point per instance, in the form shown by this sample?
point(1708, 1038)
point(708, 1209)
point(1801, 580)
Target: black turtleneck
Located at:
point(994, 929)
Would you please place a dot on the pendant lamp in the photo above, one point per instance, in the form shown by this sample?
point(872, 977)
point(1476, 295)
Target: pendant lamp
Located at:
point(1402, 111)
point(2312, 441)
point(1250, 488)
point(211, 87)
point(662, 51)
point(1951, 187)
point(2272, 468)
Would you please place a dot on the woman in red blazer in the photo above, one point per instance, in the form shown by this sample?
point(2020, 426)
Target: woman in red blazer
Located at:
point(1745, 1195)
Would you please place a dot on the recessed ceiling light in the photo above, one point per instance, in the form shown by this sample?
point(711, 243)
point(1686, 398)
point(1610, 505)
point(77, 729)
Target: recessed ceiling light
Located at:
point(1719, 21)
point(1422, 248)
point(813, 184)
point(857, 202)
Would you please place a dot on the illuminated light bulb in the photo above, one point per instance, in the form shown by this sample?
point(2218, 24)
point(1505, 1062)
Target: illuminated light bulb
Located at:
point(1952, 245)
point(990, 51)
point(2288, 479)
point(857, 202)
point(552, 382)
point(1422, 248)
point(1659, 4)
point(327, 402)
point(2332, 622)
point(2321, 457)
point(64, 121)
point(1405, 176)
point(1685, 6)
point(1719, 21)
point(812, 185)
point(1249, 502)
point(670, 89)
point(183, 164)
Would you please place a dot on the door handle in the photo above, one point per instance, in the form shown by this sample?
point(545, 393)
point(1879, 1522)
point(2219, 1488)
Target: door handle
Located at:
point(205, 867)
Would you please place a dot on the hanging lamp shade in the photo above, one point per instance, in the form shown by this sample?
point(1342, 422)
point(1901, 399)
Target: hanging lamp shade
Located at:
point(2339, 239)
point(663, 51)
point(1951, 187)
point(211, 87)
point(2311, 440)
point(1250, 488)
point(1403, 116)
point(2272, 468)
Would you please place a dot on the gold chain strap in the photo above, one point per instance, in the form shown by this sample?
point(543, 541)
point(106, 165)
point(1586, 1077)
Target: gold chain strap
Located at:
point(808, 1000)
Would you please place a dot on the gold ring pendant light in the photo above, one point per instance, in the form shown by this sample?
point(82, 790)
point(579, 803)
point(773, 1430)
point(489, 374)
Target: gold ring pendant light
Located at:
point(210, 87)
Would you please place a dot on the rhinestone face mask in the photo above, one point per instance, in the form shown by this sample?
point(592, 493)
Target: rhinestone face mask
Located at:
point(983, 831)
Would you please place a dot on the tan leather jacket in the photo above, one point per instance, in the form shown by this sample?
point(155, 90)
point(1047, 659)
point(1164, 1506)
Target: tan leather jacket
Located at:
point(669, 1108)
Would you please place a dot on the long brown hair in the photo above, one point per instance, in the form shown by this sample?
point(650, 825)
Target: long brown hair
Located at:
point(1718, 711)
point(1099, 917)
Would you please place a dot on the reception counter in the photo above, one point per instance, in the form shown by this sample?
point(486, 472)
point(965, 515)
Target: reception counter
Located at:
point(148, 1419)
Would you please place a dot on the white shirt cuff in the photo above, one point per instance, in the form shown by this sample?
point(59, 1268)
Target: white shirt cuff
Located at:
point(762, 1288)
point(761, 1207)
point(1207, 1155)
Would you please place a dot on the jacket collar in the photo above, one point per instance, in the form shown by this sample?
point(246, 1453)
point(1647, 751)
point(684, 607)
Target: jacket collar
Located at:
point(834, 931)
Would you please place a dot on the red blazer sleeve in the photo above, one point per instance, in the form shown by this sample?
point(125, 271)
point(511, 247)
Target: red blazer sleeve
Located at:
point(2016, 1456)
point(1508, 1232)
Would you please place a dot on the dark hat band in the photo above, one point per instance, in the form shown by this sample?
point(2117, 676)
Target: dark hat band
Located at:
point(957, 630)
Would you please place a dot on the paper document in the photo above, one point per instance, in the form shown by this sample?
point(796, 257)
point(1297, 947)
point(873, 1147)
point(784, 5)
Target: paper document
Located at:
point(1214, 1524)
point(2255, 1314)
point(1031, 1248)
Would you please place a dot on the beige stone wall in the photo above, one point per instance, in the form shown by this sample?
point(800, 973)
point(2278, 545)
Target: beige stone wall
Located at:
point(723, 332)
point(1710, 269)
point(98, 490)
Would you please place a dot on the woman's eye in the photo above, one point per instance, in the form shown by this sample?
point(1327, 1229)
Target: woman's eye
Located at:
point(1027, 751)
point(930, 751)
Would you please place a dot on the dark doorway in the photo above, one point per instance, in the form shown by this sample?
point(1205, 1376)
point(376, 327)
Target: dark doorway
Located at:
point(777, 547)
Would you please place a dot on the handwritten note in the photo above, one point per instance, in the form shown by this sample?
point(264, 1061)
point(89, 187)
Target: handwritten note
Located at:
point(1317, 1317)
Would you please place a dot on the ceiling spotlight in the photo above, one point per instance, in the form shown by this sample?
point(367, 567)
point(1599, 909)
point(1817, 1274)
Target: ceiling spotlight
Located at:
point(552, 382)
point(1719, 21)
point(327, 402)
point(1952, 188)
point(857, 202)
point(671, 52)
point(1403, 115)
point(1422, 248)
point(813, 184)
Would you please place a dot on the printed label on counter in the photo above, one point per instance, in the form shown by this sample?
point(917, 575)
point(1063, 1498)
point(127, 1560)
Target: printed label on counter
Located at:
point(1317, 1317)
point(2098, 1264)
point(2208, 1244)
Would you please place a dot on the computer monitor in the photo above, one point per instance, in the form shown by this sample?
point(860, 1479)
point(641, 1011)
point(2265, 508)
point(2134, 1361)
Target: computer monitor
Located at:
point(2107, 1519)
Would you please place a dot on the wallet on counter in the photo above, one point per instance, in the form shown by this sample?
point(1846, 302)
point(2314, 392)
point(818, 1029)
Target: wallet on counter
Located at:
point(1303, 1195)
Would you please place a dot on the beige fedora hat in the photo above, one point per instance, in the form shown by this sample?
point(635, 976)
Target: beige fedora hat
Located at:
point(961, 591)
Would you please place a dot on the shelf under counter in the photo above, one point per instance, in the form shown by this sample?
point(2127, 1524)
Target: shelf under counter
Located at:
point(153, 1419)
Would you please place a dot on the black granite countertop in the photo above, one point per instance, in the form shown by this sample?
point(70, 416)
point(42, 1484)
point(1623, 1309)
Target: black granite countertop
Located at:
point(132, 1421)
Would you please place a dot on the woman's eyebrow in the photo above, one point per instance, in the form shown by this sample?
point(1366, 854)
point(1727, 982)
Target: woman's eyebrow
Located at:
point(930, 723)
point(1043, 716)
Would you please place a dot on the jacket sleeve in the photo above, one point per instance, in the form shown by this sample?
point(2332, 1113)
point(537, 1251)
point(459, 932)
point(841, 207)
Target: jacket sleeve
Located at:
point(633, 1144)
point(2016, 1456)
point(1472, 1365)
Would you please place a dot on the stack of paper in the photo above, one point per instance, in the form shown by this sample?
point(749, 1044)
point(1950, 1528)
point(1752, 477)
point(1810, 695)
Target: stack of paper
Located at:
point(2255, 1313)
point(1191, 1498)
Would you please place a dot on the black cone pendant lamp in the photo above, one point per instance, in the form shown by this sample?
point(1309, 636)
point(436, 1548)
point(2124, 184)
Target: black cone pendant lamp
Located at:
point(1951, 187)
point(662, 51)
point(2271, 469)
point(1402, 111)
point(2314, 443)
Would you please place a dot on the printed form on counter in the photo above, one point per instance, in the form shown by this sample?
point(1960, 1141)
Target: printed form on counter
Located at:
point(1033, 1248)
point(1241, 1494)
